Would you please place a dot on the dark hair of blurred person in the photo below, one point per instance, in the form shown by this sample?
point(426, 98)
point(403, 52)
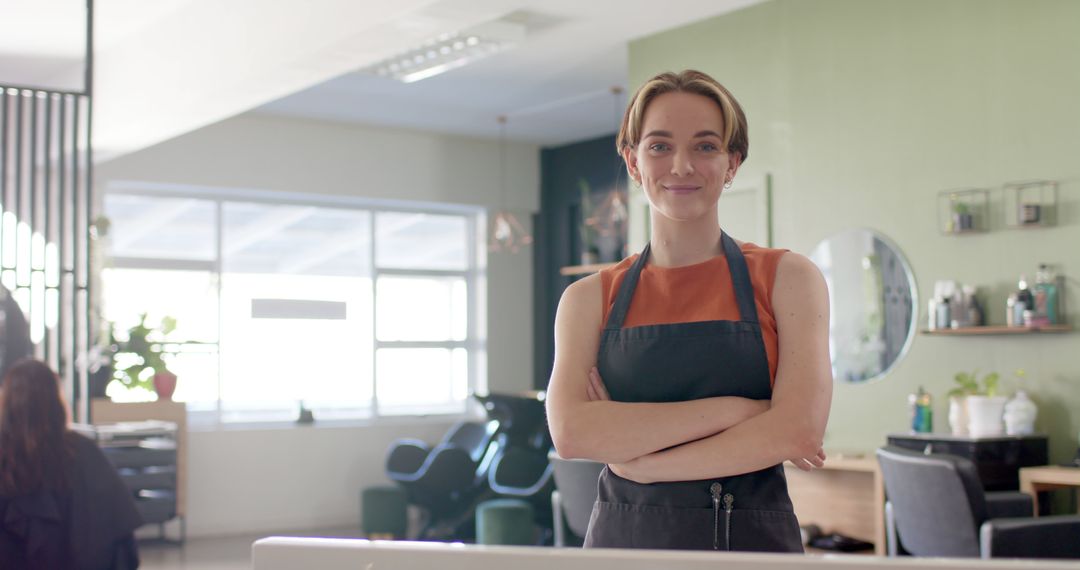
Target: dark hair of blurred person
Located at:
point(35, 444)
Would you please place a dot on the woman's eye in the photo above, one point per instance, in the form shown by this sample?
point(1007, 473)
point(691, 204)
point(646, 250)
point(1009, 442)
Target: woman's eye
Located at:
point(709, 147)
point(658, 147)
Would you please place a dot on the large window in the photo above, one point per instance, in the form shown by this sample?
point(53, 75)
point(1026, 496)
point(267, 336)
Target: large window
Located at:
point(355, 310)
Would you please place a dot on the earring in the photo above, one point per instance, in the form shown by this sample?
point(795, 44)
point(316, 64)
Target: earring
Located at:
point(727, 184)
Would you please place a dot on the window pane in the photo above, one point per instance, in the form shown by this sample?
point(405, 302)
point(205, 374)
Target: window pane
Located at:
point(296, 301)
point(188, 296)
point(298, 240)
point(160, 227)
point(422, 380)
point(196, 369)
point(421, 308)
point(421, 241)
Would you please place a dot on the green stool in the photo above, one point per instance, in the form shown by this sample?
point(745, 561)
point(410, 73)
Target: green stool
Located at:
point(505, 521)
point(382, 512)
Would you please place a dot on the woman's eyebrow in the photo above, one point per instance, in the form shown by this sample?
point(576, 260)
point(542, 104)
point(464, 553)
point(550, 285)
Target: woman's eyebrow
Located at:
point(697, 135)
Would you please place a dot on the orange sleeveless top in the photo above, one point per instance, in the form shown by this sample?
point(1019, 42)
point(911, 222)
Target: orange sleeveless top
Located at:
point(699, 292)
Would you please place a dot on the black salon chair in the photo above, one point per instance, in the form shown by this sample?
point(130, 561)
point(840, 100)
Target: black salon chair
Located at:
point(520, 468)
point(937, 507)
point(446, 479)
point(526, 474)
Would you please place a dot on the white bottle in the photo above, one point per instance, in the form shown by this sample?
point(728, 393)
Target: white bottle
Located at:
point(1020, 413)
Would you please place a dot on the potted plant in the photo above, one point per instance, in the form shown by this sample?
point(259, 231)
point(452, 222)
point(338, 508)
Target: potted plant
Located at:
point(962, 218)
point(138, 360)
point(976, 406)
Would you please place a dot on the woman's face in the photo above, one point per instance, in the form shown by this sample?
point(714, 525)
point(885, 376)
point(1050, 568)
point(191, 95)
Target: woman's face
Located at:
point(680, 161)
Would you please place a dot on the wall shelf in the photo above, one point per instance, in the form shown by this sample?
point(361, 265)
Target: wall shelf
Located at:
point(584, 269)
point(998, 330)
point(963, 211)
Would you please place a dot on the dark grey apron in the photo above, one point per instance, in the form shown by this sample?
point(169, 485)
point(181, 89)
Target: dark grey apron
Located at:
point(675, 363)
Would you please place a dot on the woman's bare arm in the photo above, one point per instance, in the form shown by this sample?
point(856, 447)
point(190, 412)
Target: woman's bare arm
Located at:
point(794, 426)
point(615, 432)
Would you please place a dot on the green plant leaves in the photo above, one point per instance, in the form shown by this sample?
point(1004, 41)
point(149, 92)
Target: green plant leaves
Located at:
point(968, 384)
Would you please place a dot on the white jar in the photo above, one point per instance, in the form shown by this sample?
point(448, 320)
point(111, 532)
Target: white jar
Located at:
point(1020, 413)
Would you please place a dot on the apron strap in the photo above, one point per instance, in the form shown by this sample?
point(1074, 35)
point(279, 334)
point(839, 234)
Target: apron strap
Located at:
point(626, 292)
point(740, 279)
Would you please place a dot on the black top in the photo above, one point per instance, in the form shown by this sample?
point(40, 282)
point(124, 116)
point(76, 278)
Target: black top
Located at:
point(89, 526)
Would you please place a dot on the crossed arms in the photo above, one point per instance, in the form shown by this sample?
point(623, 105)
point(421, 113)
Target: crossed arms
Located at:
point(697, 439)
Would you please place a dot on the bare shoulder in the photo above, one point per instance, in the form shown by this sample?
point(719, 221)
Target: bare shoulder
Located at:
point(798, 283)
point(582, 299)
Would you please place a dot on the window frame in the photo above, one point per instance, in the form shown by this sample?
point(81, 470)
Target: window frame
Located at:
point(474, 275)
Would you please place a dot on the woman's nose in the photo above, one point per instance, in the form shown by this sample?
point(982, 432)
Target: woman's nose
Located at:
point(681, 164)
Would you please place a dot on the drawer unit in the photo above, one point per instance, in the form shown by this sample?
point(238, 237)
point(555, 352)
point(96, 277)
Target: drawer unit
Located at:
point(145, 456)
point(998, 459)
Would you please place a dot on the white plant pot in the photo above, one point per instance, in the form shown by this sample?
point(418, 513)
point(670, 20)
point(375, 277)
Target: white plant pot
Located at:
point(984, 415)
point(958, 415)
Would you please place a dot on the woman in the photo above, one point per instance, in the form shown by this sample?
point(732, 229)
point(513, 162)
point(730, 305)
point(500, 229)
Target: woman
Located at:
point(62, 504)
point(695, 369)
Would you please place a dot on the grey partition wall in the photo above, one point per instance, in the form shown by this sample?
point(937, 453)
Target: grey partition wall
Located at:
point(45, 225)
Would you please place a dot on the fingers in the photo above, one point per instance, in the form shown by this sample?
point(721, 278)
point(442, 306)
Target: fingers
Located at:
point(598, 384)
point(810, 463)
point(801, 464)
point(590, 392)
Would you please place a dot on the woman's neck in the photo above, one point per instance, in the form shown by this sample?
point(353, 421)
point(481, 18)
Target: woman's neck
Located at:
point(680, 243)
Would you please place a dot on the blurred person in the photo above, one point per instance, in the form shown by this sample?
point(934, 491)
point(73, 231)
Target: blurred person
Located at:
point(62, 504)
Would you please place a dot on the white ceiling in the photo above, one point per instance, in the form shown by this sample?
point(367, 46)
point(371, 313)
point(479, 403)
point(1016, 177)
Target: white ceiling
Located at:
point(554, 88)
point(202, 61)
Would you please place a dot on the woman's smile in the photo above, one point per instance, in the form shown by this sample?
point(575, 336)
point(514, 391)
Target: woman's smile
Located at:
point(681, 188)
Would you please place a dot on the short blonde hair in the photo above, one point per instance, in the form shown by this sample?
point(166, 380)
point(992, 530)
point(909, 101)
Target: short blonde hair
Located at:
point(735, 138)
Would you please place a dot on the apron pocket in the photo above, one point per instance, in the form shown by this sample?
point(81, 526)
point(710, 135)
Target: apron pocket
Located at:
point(765, 531)
point(619, 525)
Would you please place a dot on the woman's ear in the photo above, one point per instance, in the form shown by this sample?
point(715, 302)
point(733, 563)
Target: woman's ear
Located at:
point(630, 157)
point(734, 162)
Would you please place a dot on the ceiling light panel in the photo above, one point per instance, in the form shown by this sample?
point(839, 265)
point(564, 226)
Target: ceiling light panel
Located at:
point(450, 51)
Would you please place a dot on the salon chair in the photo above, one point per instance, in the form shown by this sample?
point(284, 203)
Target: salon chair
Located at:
point(573, 498)
point(937, 507)
point(520, 468)
point(445, 480)
point(525, 473)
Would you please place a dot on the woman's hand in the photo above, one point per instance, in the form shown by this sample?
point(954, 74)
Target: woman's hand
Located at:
point(810, 463)
point(595, 389)
point(629, 472)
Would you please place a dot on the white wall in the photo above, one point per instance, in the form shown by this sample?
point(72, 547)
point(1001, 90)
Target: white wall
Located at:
point(295, 478)
point(256, 481)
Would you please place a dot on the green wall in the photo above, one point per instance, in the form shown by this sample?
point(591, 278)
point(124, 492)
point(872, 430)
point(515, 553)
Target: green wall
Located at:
point(862, 112)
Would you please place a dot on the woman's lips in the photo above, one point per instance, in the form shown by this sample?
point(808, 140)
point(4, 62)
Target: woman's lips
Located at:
point(681, 189)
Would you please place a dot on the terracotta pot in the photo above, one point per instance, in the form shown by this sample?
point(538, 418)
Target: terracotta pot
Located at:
point(165, 384)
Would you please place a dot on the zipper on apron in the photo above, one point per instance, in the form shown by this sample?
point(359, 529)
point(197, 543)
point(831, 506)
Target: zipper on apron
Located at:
point(729, 501)
point(715, 490)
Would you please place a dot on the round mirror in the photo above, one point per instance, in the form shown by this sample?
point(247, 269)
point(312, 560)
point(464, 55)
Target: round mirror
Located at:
point(872, 299)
